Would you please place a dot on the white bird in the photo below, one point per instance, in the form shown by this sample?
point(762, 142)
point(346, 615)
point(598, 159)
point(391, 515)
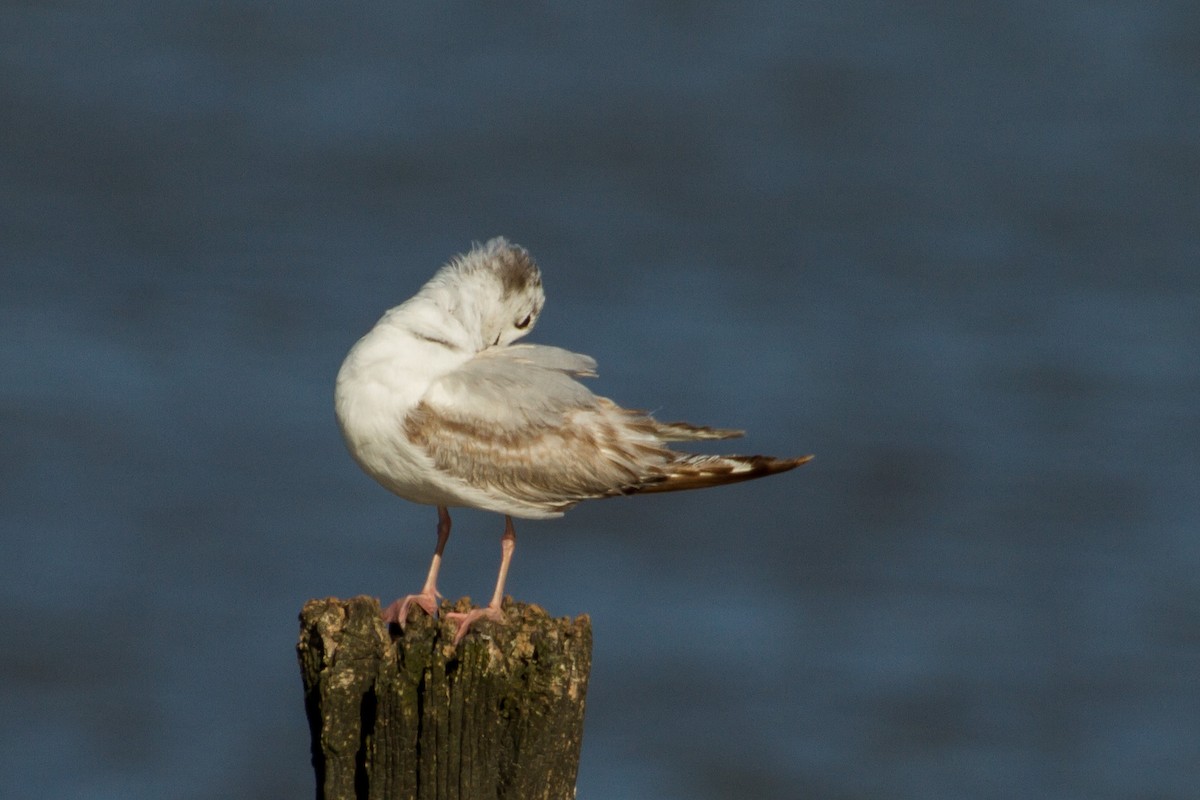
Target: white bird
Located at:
point(438, 405)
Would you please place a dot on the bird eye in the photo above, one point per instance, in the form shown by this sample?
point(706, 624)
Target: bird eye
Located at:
point(523, 324)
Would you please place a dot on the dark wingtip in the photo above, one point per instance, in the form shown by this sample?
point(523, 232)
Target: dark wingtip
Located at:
point(705, 474)
point(761, 466)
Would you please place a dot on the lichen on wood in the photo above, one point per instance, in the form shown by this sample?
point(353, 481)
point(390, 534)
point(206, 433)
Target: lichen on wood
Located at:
point(410, 715)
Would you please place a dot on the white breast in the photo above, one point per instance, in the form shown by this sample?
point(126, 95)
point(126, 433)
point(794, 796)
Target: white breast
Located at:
point(382, 379)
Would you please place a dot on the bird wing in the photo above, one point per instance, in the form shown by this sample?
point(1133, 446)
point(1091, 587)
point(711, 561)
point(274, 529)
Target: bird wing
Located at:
point(514, 423)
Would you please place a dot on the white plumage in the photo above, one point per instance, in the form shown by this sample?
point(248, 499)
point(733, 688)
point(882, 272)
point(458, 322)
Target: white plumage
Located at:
point(438, 405)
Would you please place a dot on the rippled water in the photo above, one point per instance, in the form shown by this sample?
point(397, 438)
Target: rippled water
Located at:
point(951, 250)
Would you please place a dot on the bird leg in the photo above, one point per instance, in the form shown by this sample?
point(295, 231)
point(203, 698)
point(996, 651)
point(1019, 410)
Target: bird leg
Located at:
point(508, 543)
point(427, 598)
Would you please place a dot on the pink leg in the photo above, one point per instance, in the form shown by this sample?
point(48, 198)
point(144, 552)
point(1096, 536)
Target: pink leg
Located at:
point(427, 598)
point(508, 543)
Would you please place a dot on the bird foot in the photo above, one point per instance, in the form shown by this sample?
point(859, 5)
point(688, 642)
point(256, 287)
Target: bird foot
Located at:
point(466, 619)
point(397, 612)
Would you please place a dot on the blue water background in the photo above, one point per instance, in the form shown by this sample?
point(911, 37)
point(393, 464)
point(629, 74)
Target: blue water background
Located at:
point(952, 249)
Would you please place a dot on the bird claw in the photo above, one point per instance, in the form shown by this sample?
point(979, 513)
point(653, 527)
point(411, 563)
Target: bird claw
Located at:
point(466, 619)
point(397, 612)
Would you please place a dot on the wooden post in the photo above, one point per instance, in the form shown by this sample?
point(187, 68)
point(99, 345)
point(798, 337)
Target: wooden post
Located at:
point(414, 717)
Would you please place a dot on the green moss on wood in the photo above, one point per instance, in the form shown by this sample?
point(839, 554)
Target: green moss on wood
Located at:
point(412, 716)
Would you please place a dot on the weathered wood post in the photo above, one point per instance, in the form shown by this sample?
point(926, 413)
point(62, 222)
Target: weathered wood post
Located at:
point(498, 717)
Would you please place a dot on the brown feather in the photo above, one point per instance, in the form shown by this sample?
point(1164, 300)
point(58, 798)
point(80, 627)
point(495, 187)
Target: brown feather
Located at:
point(687, 432)
point(700, 472)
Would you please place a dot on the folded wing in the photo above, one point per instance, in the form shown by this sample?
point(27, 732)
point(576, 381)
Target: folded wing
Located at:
point(513, 422)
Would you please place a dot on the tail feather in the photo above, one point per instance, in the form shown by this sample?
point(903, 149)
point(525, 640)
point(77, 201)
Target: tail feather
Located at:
point(699, 472)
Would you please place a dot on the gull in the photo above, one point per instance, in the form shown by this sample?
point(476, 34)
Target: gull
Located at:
point(439, 405)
